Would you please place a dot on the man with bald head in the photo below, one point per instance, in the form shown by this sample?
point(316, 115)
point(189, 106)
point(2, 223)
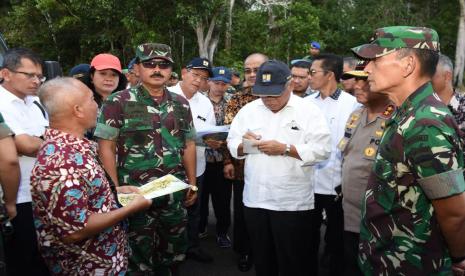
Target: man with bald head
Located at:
point(77, 217)
point(241, 243)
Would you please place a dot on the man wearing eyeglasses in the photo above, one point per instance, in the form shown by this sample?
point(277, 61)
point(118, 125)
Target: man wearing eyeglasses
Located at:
point(300, 72)
point(146, 132)
point(19, 105)
point(325, 74)
point(194, 79)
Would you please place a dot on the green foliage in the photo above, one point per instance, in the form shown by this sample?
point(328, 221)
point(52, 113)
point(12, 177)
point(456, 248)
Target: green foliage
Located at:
point(73, 31)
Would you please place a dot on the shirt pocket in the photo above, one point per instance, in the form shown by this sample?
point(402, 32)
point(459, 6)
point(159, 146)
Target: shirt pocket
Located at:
point(137, 135)
point(292, 132)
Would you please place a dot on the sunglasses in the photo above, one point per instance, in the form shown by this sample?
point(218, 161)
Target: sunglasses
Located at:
point(154, 63)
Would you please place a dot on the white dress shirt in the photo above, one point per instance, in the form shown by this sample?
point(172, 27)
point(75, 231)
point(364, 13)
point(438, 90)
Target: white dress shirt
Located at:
point(203, 117)
point(281, 183)
point(23, 117)
point(337, 109)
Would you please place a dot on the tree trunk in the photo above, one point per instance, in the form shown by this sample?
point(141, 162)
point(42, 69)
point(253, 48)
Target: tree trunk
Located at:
point(207, 41)
point(228, 35)
point(460, 47)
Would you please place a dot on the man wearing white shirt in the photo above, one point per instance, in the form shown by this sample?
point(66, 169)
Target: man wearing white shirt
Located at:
point(336, 105)
point(197, 72)
point(20, 107)
point(290, 135)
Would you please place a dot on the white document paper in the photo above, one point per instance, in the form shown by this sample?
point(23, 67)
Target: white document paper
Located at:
point(249, 147)
point(165, 185)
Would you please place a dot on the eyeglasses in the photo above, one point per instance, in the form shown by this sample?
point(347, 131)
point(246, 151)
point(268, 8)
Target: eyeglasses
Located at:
point(197, 76)
point(313, 72)
point(154, 63)
point(251, 70)
point(30, 76)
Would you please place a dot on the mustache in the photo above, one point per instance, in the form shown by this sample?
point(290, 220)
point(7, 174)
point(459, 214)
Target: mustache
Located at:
point(157, 74)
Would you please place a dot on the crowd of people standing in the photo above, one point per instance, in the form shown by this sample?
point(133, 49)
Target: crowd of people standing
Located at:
point(370, 145)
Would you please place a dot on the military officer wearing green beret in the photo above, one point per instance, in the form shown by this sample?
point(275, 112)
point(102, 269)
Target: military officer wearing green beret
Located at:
point(414, 206)
point(145, 133)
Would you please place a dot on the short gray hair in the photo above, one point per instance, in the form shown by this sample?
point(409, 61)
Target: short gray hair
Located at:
point(445, 63)
point(55, 93)
point(351, 62)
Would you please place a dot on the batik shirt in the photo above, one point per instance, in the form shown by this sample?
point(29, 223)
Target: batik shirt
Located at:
point(68, 186)
point(420, 158)
point(150, 136)
point(212, 155)
point(238, 100)
point(457, 107)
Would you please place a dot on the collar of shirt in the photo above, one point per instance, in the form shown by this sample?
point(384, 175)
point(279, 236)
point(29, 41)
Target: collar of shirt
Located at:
point(411, 102)
point(177, 89)
point(81, 145)
point(144, 94)
point(8, 97)
point(334, 96)
point(222, 101)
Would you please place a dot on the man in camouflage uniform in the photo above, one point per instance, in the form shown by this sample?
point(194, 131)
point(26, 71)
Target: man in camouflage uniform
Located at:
point(241, 243)
point(414, 206)
point(147, 132)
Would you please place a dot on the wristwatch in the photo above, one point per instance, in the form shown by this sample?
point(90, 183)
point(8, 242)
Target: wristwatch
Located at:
point(288, 150)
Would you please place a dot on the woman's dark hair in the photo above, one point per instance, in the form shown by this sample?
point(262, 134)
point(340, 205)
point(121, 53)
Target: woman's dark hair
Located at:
point(122, 83)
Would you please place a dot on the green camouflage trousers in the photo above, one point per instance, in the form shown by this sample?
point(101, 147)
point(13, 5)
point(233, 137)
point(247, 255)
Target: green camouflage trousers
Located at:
point(157, 237)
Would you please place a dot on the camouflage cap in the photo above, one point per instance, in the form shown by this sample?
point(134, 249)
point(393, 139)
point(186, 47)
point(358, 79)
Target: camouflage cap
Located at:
point(149, 51)
point(389, 39)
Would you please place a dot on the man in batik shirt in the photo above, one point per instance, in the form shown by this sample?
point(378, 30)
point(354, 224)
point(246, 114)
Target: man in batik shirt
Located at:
point(241, 243)
point(146, 132)
point(76, 215)
point(414, 206)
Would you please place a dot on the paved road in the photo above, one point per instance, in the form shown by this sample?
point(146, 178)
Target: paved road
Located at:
point(224, 263)
point(225, 260)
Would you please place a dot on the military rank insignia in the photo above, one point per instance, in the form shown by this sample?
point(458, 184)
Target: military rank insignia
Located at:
point(387, 113)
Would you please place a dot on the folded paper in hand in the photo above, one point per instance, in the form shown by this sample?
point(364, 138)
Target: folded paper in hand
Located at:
point(249, 147)
point(165, 185)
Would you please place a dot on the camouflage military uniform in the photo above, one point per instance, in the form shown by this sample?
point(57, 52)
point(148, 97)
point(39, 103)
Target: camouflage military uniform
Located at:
point(399, 232)
point(420, 159)
point(150, 139)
